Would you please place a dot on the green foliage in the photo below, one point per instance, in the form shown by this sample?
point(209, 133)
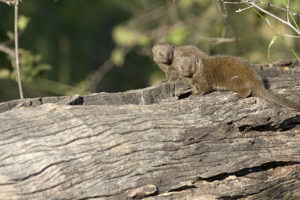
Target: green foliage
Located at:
point(124, 36)
point(270, 45)
point(5, 74)
point(143, 40)
point(274, 39)
point(10, 35)
point(31, 67)
point(75, 46)
point(178, 35)
point(117, 57)
point(290, 15)
point(23, 22)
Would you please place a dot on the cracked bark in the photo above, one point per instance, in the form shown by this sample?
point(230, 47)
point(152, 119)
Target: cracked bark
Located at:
point(153, 143)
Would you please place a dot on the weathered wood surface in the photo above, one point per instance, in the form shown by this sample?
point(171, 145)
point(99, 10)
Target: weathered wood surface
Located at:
point(150, 144)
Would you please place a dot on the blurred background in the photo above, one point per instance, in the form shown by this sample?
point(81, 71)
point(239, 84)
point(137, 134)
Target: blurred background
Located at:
point(86, 46)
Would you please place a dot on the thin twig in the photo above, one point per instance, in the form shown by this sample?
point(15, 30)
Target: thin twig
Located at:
point(243, 9)
point(7, 50)
point(17, 49)
point(217, 40)
point(8, 2)
point(225, 18)
point(99, 74)
point(283, 34)
point(102, 70)
point(275, 17)
point(254, 4)
point(264, 3)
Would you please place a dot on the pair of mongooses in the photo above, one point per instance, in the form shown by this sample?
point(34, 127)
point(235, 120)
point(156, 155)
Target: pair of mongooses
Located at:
point(163, 55)
point(205, 73)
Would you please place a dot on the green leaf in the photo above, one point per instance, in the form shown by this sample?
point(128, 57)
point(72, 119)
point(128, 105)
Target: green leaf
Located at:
point(10, 35)
point(40, 68)
point(143, 40)
point(23, 22)
point(271, 44)
point(124, 36)
point(4, 74)
point(178, 35)
point(117, 57)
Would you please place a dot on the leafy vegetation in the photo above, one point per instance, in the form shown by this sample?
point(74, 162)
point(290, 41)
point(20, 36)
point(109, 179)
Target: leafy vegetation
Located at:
point(64, 45)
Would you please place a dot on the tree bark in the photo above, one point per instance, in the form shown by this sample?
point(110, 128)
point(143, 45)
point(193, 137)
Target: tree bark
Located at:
point(153, 143)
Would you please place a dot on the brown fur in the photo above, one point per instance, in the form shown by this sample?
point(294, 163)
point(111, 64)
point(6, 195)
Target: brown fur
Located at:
point(163, 55)
point(225, 73)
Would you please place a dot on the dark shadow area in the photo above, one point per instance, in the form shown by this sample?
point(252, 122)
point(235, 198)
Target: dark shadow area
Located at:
point(290, 123)
point(266, 83)
point(261, 128)
point(232, 197)
point(184, 95)
point(246, 171)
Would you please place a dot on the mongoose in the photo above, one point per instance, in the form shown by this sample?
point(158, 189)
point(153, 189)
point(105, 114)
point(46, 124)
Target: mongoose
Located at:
point(225, 73)
point(163, 55)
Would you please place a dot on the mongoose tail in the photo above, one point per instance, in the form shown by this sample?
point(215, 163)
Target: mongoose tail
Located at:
point(273, 99)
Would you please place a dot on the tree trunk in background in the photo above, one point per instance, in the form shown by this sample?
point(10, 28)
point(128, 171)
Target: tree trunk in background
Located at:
point(153, 143)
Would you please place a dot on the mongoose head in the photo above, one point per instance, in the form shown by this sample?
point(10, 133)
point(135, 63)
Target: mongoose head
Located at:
point(185, 64)
point(163, 53)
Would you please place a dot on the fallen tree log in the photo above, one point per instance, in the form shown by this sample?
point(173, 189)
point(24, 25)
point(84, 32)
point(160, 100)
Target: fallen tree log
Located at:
point(152, 143)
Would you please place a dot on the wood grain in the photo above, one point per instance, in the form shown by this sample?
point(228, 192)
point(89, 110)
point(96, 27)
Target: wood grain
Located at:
point(151, 144)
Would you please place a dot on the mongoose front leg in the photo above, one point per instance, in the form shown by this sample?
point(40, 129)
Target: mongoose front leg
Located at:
point(200, 88)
